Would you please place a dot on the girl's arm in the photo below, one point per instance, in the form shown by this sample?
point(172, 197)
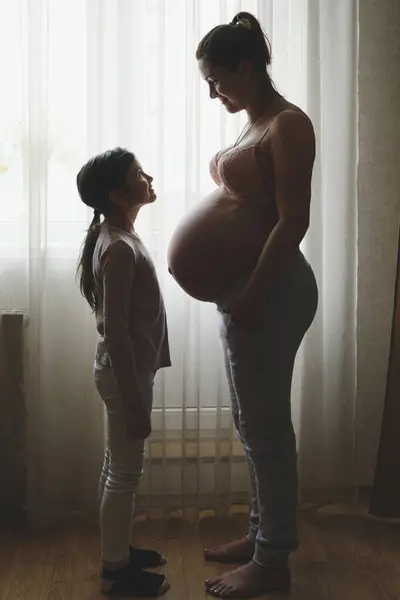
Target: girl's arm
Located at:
point(118, 273)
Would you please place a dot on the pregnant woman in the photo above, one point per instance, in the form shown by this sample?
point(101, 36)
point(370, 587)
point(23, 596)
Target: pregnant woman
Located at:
point(240, 249)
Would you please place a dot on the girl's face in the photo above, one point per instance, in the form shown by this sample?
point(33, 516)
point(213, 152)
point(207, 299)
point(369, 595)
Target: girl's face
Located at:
point(137, 191)
point(138, 185)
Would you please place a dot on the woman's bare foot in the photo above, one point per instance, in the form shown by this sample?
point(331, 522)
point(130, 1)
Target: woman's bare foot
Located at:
point(249, 580)
point(238, 551)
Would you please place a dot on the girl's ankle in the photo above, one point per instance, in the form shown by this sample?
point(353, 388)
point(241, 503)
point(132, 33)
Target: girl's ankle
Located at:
point(115, 566)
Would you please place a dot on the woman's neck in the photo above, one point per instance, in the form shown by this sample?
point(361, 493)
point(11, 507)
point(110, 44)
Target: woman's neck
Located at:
point(263, 101)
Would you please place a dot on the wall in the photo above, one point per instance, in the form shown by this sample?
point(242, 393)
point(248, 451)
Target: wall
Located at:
point(13, 474)
point(379, 209)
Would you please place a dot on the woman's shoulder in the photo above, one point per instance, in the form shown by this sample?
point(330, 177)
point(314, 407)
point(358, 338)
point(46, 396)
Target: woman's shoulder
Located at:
point(290, 126)
point(291, 118)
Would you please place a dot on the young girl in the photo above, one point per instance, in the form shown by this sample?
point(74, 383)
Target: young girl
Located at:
point(118, 279)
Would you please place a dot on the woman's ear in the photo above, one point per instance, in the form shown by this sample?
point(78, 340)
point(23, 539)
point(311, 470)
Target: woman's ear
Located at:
point(245, 69)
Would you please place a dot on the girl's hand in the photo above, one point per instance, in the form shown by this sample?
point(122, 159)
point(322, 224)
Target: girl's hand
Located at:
point(138, 422)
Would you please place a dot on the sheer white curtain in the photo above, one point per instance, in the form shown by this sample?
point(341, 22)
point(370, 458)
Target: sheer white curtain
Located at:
point(82, 76)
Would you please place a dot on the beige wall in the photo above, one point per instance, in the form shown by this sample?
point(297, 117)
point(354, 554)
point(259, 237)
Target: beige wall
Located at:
point(379, 209)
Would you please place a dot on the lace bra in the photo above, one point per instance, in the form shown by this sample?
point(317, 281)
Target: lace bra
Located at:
point(243, 170)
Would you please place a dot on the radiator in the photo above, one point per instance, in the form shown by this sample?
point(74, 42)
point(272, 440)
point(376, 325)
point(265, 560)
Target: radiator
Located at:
point(13, 472)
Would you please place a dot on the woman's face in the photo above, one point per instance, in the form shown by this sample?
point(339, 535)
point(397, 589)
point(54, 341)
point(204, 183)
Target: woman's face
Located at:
point(228, 86)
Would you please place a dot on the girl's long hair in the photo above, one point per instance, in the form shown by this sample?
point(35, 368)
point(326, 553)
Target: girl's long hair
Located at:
point(97, 178)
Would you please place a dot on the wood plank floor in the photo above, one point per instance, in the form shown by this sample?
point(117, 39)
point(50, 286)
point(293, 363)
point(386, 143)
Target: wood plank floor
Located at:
point(344, 555)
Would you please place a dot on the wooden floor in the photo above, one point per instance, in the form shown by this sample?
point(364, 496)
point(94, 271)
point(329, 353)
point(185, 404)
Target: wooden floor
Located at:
point(346, 556)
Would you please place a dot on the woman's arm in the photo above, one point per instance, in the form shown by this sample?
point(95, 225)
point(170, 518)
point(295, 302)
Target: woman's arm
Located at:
point(118, 273)
point(292, 149)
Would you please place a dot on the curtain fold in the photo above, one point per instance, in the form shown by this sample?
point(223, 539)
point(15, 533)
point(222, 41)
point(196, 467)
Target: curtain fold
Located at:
point(88, 75)
point(327, 442)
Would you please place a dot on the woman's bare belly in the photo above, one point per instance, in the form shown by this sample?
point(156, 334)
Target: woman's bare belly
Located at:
point(220, 240)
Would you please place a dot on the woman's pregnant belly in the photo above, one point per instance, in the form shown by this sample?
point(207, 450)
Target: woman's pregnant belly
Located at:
point(215, 243)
